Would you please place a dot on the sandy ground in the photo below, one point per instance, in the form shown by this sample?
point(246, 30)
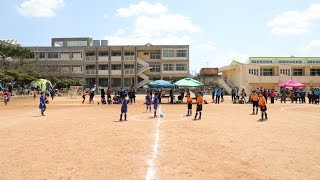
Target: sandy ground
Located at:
point(76, 141)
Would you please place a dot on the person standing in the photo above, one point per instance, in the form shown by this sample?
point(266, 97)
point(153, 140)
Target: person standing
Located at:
point(108, 94)
point(317, 96)
point(221, 94)
point(303, 95)
point(148, 102)
point(42, 104)
point(233, 94)
point(189, 101)
point(213, 94)
point(171, 96)
point(255, 99)
point(155, 104)
point(199, 106)
point(6, 97)
point(159, 96)
point(218, 94)
point(283, 95)
point(52, 93)
point(272, 94)
point(310, 96)
point(263, 107)
point(124, 108)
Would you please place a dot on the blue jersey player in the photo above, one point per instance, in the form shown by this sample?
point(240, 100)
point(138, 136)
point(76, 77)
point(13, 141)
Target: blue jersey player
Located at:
point(155, 104)
point(124, 108)
point(148, 102)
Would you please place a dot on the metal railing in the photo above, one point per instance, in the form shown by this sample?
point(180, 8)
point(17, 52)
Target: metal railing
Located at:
point(91, 58)
point(91, 71)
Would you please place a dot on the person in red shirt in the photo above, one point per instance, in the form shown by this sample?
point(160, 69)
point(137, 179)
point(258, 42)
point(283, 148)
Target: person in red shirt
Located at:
point(84, 96)
point(5, 95)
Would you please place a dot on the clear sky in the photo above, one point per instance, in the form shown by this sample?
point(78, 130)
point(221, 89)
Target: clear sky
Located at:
point(217, 31)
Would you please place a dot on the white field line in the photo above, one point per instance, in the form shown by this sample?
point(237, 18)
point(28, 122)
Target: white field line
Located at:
point(151, 162)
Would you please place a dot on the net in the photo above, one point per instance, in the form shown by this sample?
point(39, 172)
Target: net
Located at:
point(75, 91)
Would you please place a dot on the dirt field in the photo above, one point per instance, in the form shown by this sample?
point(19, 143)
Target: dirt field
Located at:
point(76, 141)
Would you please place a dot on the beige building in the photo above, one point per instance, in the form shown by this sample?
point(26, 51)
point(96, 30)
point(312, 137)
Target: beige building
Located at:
point(98, 63)
point(209, 76)
point(268, 72)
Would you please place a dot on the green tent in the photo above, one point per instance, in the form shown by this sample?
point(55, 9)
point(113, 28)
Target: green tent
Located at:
point(43, 84)
point(188, 82)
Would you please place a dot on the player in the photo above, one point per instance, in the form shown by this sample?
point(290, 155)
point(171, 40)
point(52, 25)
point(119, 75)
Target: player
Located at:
point(263, 106)
point(42, 104)
point(6, 97)
point(124, 108)
point(189, 101)
point(255, 99)
point(148, 102)
point(155, 104)
point(84, 96)
point(199, 106)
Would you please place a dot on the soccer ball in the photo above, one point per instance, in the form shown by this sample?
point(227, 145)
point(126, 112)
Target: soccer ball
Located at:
point(161, 115)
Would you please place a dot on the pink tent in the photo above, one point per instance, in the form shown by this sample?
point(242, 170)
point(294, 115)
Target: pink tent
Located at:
point(291, 83)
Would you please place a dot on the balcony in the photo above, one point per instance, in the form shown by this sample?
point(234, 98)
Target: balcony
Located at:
point(103, 72)
point(129, 71)
point(116, 72)
point(103, 58)
point(90, 72)
point(90, 58)
point(115, 58)
point(129, 58)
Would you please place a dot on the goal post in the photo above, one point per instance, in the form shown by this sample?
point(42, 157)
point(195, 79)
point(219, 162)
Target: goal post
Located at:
point(75, 91)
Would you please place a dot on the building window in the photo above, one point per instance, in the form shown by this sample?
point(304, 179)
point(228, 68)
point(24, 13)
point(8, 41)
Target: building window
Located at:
point(103, 67)
point(254, 71)
point(181, 67)
point(168, 53)
point(42, 55)
point(90, 54)
point(146, 53)
point(116, 67)
point(181, 53)
point(168, 67)
point(129, 53)
point(52, 55)
point(314, 72)
point(116, 53)
point(297, 72)
point(103, 53)
point(128, 66)
point(155, 55)
point(155, 68)
point(285, 72)
point(267, 72)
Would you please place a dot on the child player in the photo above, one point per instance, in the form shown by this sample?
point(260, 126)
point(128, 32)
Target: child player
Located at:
point(155, 104)
point(124, 108)
point(189, 101)
point(254, 98)
point(84, 96)
point(199, 106)
point(148, 101)
point(42, 104)
point(263, 106)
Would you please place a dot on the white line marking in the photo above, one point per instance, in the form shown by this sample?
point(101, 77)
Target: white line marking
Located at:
point(151, 171)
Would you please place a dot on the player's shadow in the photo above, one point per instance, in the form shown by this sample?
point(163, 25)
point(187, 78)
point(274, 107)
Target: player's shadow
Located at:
point(35, 116)
point(260, 120)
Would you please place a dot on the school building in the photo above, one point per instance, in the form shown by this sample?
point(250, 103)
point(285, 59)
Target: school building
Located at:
point(268, 72)
point(98, 63)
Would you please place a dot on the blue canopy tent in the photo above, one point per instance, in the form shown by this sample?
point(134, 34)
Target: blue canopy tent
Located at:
point(1, 88)
point(160, 84)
